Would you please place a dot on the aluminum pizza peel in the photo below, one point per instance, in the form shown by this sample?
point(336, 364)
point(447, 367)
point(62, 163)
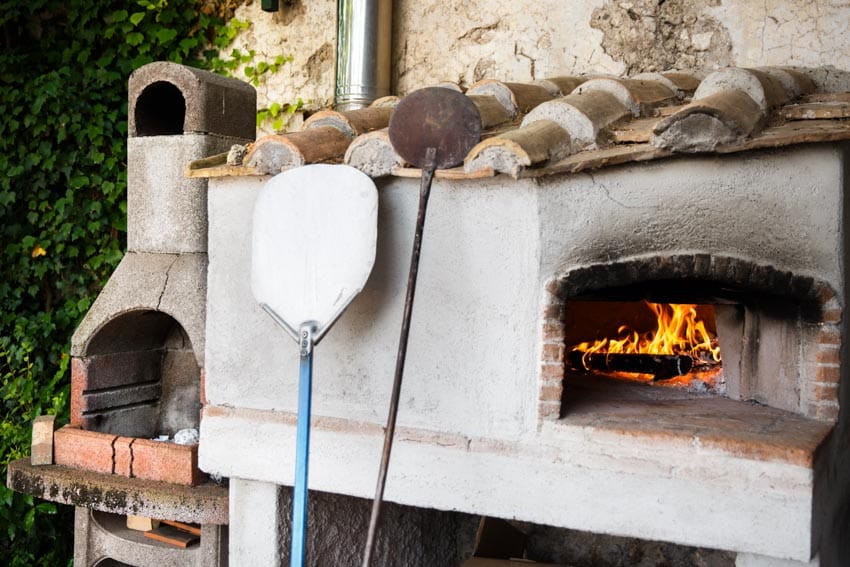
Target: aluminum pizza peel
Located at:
point(432, 128)
point(313, 247)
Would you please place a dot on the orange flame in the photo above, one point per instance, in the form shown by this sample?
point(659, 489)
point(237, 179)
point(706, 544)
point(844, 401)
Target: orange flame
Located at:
point(678, 332)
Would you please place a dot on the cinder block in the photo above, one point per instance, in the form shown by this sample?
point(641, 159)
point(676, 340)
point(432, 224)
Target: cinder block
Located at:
point(42, 440)
point(167, 98)
point(143, 298)
point(81, 449)
point(167, 212)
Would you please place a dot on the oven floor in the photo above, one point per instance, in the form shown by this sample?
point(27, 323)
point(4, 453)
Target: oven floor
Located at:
point(743, 428)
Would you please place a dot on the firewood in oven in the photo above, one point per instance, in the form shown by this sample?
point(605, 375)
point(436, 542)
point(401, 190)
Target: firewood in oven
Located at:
point(661, 366)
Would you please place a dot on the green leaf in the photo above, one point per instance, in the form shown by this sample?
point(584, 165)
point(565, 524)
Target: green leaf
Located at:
point(136, 18)
point(79, 181)
point(165, 35)
point(134, 38)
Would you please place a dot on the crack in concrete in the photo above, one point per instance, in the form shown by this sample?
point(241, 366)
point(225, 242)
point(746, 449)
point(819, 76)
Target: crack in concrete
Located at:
point(608, 196)
point(165, 285)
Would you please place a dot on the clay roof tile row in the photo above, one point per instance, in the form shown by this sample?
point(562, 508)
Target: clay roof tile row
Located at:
point(565, 124)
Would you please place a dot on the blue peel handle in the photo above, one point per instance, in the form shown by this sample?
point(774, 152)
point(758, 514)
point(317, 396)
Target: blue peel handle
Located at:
point(302, 449)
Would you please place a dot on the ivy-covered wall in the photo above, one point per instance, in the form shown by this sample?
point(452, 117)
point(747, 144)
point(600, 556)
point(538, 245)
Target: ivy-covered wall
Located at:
point(63, 104)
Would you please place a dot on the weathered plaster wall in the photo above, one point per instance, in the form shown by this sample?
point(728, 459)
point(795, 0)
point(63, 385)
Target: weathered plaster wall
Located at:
point(303, 29)
point(521, 41)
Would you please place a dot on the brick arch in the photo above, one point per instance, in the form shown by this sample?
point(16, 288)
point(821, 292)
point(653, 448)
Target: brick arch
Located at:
point(818, 300)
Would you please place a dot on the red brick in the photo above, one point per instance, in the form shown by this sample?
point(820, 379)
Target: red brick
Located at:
point(553, 331)
point(828, 374)
point(553, 352)
point(551, 393)
point(203, 388)
point(124, 456)
point(166, 462)
point(79, 378)
point(551, 371)
point(549, 410)
point(554, 287)
point(829, 335)
point(553, 311)
point(831, 316)
point(825, 293)
point(829, 413)
point(81, 449)
point(826, 411)
point(820, 392)
point(827, 355)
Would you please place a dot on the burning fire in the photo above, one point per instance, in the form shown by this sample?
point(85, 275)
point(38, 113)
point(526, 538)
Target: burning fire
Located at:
point(678, 332)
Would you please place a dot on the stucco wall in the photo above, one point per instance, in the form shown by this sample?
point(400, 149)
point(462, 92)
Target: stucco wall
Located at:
point(521, 41)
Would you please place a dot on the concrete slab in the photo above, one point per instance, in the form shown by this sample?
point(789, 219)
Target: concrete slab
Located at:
point(203, 504)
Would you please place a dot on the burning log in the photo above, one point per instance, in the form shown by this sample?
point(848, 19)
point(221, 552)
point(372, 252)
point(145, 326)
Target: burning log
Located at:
point(661, 366)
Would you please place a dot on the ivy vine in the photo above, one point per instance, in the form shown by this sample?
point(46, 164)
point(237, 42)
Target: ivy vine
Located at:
point(63, 125)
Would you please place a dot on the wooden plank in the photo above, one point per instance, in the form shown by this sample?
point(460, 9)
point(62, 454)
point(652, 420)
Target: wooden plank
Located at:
point(141, 523)
point(599, 158)
point(636, 131)
point(826, 97)
point(207, 162)
point(223, 171)
point(816, 110)
point(669, 110)
point(456, 173)
point(193, 529)
point(172, 536)
point(792, 133)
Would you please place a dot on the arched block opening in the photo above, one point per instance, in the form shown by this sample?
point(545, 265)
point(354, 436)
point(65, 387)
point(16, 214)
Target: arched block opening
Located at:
point(160, 110)
point(139, 377)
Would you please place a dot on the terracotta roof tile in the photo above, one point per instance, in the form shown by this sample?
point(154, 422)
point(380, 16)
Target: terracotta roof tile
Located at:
point(722, 118)
point(640, 96)
point(566, 124)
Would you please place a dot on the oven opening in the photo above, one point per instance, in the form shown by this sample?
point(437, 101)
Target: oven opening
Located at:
point(664, 345)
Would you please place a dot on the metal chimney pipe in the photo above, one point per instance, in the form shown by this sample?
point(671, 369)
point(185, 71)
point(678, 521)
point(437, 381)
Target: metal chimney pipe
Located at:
point(364, 43)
